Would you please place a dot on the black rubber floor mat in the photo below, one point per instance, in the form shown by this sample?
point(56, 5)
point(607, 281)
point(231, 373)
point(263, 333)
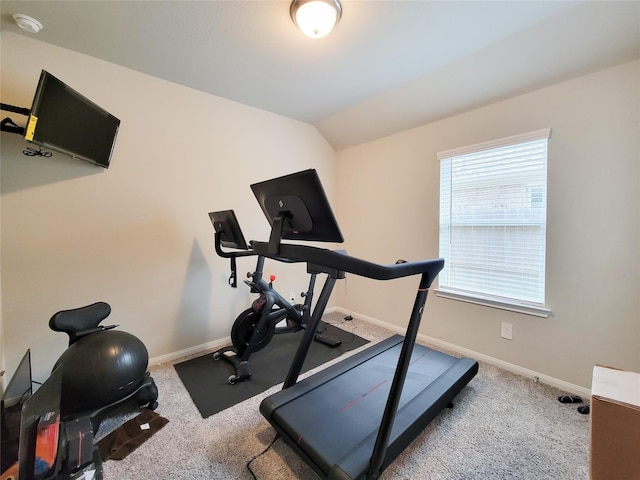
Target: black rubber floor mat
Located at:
point(206, 380)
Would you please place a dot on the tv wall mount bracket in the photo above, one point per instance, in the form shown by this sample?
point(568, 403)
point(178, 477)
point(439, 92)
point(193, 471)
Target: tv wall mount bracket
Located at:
point(9, 125)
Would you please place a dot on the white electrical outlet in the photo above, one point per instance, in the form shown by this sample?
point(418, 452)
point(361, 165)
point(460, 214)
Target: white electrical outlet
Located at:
point(506, 330)
point(292, 298)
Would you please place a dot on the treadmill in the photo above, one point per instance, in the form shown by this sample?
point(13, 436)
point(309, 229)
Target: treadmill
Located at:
point(352, 419)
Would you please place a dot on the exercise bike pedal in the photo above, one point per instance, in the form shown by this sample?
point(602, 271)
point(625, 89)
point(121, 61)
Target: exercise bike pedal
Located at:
point(331, 342)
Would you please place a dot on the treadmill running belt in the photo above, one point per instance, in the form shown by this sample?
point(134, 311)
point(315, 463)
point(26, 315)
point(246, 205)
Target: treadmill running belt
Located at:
point(332, 418)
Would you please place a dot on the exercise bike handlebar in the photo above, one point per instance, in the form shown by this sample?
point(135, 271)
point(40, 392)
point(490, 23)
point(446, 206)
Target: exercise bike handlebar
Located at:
point(233, 278)
point(244, 253)
point(233, 254)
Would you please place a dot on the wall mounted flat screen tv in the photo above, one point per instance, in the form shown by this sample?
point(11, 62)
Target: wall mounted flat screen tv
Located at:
point(62, 119)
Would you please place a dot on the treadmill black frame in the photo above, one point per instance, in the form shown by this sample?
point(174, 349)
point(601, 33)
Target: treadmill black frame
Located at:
point(282, 221)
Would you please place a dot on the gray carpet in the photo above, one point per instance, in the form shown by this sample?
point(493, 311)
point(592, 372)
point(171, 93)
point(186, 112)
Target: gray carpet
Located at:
point(503, 426)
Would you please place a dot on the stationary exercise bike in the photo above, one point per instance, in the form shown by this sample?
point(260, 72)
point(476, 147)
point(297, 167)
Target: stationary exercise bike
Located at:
point(254, 328)
point(102, 367)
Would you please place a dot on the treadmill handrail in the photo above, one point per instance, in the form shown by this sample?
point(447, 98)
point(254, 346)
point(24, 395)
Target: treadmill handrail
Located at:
point(351, 264)
point(428, 269)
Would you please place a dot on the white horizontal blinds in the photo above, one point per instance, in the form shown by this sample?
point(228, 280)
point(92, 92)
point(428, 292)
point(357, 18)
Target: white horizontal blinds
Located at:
point(493, 219)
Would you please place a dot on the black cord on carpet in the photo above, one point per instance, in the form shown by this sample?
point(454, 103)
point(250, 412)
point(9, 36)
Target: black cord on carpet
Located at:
point(260, 454)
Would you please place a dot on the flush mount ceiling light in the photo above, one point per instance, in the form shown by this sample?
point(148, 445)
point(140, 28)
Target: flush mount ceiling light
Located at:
point(27, 23)
point(316, 18)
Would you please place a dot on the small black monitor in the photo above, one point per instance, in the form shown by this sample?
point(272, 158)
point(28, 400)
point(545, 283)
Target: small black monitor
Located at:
point(19, 387)
point(42, 407)
point(227, 227)
point(66, 121)
point(300, 202)
point(18, 391)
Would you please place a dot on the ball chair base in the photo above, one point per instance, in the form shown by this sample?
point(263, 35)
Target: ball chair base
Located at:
point(145, 395)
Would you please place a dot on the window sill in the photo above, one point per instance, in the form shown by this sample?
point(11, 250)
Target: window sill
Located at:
point(494, 303)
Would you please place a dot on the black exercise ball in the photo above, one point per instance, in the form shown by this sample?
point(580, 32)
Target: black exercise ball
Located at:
point(100, 369)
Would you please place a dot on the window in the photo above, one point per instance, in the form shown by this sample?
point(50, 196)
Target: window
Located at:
point(493, 212)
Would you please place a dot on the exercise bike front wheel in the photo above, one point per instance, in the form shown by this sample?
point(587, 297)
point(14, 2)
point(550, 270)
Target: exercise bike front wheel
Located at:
point(244, 328)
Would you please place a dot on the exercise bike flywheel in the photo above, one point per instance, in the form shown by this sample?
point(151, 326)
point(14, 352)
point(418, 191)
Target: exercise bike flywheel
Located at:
point(244, 327)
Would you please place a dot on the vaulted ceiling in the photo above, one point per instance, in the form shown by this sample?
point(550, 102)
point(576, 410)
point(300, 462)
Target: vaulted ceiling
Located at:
point(388, 65)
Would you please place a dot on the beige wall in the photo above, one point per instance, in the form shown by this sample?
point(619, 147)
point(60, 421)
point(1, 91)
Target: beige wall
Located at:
point(136, 235)
point(388, 205)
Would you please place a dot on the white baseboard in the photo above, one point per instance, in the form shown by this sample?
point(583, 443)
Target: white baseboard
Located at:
point(525, 372)
point(517, 369)
point(190, 351)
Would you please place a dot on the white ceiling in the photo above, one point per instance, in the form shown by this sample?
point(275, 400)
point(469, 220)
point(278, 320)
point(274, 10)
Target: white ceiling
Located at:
point(388, 65)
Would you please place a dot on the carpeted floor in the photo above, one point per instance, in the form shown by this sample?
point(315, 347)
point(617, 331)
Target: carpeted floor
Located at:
point(503, 426)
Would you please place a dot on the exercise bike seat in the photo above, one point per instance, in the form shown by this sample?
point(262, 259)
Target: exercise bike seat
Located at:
point(78, 322)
